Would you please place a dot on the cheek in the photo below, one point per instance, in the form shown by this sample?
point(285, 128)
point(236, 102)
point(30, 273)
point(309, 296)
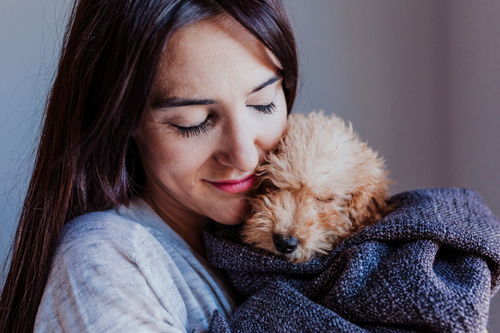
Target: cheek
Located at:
point(274, 126)
point(167, 157)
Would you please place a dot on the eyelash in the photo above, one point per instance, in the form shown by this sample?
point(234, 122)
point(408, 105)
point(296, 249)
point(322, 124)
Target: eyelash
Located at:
point(207, 123)
point(195, 130)
point(266, 109)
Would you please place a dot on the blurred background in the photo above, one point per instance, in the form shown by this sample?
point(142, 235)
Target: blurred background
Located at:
point(418, 79)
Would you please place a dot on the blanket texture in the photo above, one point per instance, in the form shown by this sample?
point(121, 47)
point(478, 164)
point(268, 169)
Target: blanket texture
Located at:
point(431, 265)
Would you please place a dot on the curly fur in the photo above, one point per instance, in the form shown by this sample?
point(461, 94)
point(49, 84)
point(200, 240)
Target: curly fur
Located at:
point(320, 185)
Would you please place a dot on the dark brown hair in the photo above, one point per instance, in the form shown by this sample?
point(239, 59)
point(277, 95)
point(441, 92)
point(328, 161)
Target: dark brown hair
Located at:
point(86, 159)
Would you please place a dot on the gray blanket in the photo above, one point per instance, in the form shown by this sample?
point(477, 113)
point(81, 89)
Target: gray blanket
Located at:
point(431, 265)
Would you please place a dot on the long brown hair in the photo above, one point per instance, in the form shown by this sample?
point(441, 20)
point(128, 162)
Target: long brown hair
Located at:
point(86, 159)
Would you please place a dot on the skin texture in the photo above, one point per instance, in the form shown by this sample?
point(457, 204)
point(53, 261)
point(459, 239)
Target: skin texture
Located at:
point(219, 62)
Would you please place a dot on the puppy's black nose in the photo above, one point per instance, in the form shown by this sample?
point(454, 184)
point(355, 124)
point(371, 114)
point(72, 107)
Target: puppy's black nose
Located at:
point(285, 244)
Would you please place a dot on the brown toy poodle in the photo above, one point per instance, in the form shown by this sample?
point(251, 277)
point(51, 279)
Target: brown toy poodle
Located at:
point(318, 186)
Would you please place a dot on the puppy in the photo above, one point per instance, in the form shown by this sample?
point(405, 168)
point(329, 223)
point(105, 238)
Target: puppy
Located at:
point(319, 185)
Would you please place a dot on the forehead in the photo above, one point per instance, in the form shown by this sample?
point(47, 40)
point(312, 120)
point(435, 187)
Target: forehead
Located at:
point(210, 55)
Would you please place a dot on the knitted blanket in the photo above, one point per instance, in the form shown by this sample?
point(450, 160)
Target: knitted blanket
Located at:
point(430, 265)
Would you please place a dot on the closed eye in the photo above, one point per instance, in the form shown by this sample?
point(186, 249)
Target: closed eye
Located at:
point(325, 200)
point(266, 109)
point(206, 125)
point(191, 131)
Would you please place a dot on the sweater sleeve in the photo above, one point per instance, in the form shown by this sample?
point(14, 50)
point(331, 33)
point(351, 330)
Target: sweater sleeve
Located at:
point(96, 284)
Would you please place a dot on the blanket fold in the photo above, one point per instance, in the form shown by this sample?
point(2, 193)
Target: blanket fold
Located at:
point(430, 265)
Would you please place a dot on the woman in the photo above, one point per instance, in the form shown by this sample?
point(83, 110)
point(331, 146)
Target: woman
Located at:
point(159, 113)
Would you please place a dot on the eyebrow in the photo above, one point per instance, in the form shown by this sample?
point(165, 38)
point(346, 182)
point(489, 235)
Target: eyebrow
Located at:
point(173, 102)
point(267, 83)
point(178, 102)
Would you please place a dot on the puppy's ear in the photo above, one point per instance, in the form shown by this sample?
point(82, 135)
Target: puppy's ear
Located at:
point(367, 205)
point(266, 185)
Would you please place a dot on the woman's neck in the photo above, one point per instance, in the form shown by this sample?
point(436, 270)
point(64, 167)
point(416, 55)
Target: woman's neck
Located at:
point(187, 224)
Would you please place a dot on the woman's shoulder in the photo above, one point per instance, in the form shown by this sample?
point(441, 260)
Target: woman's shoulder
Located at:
point(98, 225)
point(97, 231)
point(100, 276)
point(121, 267)
point(125, 228)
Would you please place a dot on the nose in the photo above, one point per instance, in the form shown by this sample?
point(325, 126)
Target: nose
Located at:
point(239, 148)
point(285, 244)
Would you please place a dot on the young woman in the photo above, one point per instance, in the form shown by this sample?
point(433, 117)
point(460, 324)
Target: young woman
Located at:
point(158, 115)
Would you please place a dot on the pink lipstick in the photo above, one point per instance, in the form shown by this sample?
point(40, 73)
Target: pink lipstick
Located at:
point(235, 185)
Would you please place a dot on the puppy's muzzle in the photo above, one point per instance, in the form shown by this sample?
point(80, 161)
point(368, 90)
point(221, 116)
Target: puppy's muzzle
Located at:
point(285, 244)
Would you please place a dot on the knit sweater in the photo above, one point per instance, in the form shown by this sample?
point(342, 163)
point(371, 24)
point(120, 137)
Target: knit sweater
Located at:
point(126, 270)
point(430, 265)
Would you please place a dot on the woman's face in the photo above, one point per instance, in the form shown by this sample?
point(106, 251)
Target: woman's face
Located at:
point(217, 106)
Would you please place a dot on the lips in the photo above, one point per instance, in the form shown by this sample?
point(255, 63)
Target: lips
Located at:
point(235, 185)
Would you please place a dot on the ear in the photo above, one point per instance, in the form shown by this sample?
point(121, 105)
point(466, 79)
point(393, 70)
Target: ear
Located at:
point(276, 171)
point(367, 205)
point(265, 185)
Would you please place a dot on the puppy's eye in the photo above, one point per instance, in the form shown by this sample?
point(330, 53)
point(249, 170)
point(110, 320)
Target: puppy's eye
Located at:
point(330, 199)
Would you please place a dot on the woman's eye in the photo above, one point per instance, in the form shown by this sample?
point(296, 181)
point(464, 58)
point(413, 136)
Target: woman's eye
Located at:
point(267, 109)
point(195, 130)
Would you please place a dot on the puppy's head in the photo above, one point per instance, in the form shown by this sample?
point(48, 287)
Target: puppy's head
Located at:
point(319, 185)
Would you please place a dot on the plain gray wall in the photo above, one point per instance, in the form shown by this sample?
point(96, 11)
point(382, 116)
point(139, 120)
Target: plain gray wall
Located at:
point(419, 80)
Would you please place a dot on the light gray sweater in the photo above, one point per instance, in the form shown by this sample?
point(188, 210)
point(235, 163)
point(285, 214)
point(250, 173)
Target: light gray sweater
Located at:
point(126, 270)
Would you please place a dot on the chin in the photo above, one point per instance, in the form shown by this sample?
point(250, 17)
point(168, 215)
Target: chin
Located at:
point(232, 213)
